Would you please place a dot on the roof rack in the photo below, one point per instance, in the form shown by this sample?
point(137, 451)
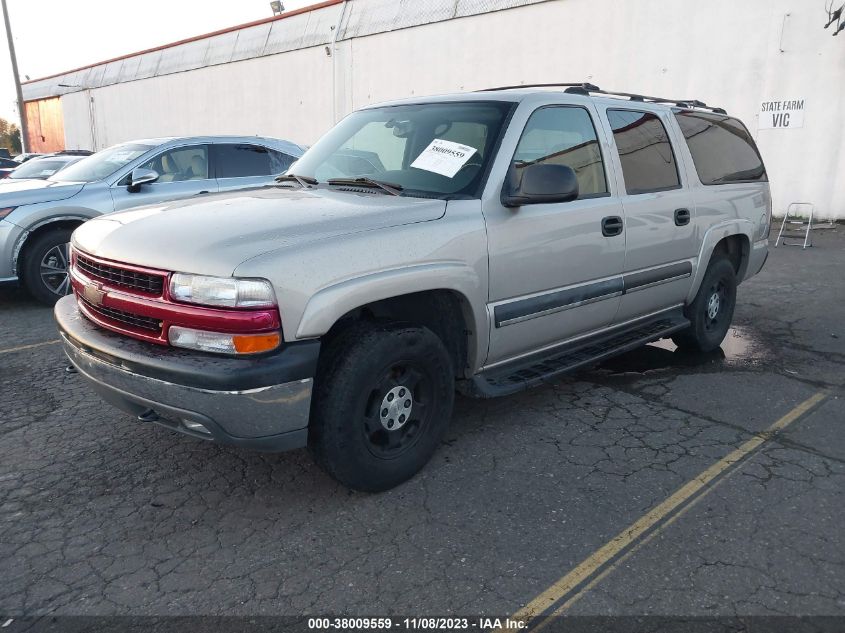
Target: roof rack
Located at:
point(588, 89)
point(580, 84)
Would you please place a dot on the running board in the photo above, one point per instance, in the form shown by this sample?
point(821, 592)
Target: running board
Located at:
point(539, 368)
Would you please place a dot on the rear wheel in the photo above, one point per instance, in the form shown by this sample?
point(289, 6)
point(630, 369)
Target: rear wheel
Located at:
point(382, 403)
point(45, 266)
point(711, 312)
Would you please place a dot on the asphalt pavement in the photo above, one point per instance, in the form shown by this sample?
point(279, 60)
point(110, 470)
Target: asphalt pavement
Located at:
point(657, 484)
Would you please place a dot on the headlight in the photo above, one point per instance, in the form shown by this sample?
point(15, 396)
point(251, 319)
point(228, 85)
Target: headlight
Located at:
point(220, 342)
point(4, 211)
point(224, 292)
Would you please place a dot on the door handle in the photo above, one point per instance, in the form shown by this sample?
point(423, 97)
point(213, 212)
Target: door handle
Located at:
point(611, 225)
point(682, 217)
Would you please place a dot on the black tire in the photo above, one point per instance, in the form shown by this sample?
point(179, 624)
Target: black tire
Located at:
point(712, 311)
point(358, 372)
point(50, 248)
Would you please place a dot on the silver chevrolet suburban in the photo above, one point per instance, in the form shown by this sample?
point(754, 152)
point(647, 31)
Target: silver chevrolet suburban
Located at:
point(484, 242)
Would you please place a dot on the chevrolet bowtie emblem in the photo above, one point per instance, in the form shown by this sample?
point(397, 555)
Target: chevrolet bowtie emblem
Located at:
point(93, 294)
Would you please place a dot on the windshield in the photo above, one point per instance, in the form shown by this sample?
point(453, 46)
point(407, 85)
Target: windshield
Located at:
point(432, 149)
point(40, 168)
point(102, 164)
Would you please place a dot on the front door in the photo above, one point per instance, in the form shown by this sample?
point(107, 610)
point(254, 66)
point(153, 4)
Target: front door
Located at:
point(554, 272)
point(183, 173)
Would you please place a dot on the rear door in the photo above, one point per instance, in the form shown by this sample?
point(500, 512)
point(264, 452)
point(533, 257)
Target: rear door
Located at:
point(239, 165)
point(660, 234)
point(183, 173)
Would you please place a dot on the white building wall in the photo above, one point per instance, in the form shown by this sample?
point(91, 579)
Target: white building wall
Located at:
point(727, 53)
point(281, 95)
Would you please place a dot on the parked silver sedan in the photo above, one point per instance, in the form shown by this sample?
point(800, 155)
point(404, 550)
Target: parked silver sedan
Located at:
point(38, 216)
point(40, 167)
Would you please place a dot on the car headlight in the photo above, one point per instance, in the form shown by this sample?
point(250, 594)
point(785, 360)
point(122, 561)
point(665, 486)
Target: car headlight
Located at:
point(224, 292)
point(4, 211)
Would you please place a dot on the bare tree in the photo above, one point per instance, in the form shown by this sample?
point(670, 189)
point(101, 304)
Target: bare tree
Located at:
point(834, 16)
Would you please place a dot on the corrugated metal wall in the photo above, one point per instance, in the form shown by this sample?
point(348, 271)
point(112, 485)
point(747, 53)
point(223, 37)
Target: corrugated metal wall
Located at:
point(300, 30)
point(382, 16)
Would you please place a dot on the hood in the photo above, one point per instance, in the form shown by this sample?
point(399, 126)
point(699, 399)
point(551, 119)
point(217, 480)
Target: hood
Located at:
point(15, 193)
point(215, 235)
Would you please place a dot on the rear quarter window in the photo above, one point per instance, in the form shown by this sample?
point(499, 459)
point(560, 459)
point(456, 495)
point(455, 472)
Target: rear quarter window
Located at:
point(722, 149)
point(241, 160)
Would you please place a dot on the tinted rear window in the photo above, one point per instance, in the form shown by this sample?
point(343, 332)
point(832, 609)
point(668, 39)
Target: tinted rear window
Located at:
point(279, 161)
point(238, 161)
point(241, 161)
point(722, 149)
point(648, 163)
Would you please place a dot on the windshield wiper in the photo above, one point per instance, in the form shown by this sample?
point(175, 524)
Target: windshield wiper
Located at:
point(304, 181)
point(389, 187)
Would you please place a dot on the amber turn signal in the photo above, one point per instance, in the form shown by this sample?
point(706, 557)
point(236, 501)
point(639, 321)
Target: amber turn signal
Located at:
point(256, 343)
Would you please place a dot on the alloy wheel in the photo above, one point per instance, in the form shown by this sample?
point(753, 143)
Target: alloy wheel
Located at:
point(54, 270)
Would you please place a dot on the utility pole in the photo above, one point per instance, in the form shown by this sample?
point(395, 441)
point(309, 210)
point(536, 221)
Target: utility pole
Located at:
point(13, 57)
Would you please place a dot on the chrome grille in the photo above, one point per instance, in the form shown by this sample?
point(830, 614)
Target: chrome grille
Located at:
point(143, 282)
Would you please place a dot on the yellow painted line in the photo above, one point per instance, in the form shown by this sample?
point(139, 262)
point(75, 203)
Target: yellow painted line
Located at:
point(562, 587)
point(30, 346)
point(613, 566)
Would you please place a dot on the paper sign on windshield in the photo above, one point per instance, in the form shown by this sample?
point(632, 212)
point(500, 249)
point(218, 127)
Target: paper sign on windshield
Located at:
point(124, 156)
point(444, 157)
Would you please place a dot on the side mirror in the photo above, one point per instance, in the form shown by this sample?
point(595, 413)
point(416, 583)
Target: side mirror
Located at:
point(141, 176)
point(539, 183)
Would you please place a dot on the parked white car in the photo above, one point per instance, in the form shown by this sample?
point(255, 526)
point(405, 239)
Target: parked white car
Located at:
point(40, 168)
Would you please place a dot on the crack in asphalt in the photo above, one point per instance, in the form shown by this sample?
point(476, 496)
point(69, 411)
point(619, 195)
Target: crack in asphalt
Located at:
point(100, 514)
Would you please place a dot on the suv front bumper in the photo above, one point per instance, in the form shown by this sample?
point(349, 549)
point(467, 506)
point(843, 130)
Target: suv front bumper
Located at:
point(259, 403)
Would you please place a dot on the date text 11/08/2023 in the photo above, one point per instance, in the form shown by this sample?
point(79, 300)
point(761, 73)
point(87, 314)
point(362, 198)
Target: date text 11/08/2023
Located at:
point(412, 624)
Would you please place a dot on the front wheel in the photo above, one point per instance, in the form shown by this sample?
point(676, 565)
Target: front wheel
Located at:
point(45, 266)
point(382, 402)
point(711, 313)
